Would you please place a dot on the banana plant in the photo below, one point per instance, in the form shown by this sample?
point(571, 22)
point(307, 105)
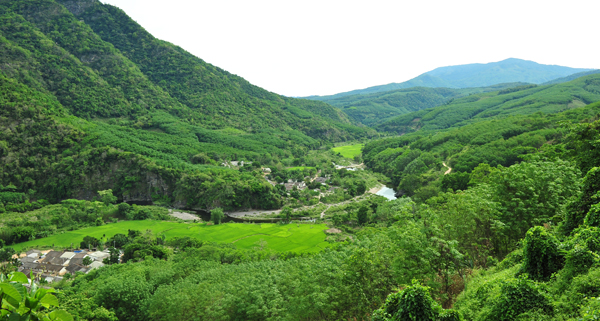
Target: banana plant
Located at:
point(33, 304)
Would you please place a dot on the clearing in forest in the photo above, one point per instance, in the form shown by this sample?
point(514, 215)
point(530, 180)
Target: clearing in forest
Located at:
point(279, 237)
point(349, 151)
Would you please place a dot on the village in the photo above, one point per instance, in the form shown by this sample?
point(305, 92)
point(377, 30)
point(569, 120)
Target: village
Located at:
point(52, 266)
point(297, 184)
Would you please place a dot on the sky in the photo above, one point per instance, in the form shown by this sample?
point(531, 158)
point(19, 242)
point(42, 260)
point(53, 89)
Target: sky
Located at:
point(301, 48)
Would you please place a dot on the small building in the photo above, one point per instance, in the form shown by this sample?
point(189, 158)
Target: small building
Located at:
point(321, 180)
point(96, 265)
point(67, 255)
point(98, 256)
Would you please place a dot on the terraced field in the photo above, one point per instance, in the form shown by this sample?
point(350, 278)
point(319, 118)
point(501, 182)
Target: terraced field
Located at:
point(289, 237)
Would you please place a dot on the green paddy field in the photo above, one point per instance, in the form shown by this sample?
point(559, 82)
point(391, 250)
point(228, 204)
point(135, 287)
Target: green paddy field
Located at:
point(349, 151)
point(289, 237)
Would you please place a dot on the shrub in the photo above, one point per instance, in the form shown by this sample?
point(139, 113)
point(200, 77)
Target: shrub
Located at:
point(516, 297)
point(579, 260)
point(592, 218)
point(216, 215)
point(107, 196)
point(142, 214)
point(413, 303)
point(541, 255)
point(124, 209)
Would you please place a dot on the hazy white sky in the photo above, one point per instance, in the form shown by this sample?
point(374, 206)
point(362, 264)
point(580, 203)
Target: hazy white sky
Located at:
point(301, 48)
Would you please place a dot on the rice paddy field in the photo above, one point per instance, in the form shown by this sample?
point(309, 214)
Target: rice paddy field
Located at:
point(289, 237)
point(349, 151)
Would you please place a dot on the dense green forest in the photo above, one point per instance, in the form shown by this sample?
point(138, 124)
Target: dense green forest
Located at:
point(376, 108)
point(513, 101)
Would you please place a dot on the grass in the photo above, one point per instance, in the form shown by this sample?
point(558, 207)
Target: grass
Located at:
point(281, 238)
point(349, 151)
point(299, 168)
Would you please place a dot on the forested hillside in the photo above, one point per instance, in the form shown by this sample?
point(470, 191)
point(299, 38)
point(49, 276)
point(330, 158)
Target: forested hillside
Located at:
point(521, 100)
point(125, 111)
point(376, 108)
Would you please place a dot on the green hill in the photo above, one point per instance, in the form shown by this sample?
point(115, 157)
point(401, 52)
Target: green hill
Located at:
point(514, 101)
point(92, 102)
point(376, 108)
point(473, 75)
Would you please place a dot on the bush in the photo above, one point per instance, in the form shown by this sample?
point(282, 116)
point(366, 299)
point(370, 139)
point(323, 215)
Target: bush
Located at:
point(413, 303)
point(216, 215)
point(107, 197)
point(518, 296)
point(541, 256)
point(142, 214)
point(124, 209)
point(579, 260)
point(592, 218)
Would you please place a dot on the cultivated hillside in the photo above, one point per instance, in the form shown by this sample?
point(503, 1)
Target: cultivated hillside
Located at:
point(513, 101)
point(377, 108)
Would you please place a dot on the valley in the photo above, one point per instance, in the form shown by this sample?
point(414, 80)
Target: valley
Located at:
point(140, 182)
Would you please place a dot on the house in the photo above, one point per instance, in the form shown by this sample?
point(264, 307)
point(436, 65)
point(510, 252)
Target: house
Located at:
point(321, 180)
point(54, 264)
point(78, 258)
point(67, 255)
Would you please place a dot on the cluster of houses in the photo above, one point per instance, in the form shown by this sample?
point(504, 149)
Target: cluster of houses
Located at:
point(348, 168)
point(291, 184)
point(51, 265)
point(230, 164)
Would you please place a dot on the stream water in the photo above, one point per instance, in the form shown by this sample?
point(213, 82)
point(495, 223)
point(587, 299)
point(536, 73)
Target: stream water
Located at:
point(387, 193)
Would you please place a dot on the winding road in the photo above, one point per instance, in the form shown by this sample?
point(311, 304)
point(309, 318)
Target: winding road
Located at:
point(449, 169)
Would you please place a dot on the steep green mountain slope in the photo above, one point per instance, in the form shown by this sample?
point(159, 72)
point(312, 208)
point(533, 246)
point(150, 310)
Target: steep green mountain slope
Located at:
point(88, 115)
point(376, 108)
point(216, 98)
point(473, 75)
point(514, 101)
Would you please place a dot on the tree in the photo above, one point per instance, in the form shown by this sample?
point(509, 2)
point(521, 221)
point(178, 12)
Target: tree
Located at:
point(118, 240)
point(87, 261)
point(286, 212)
point(107, 197)
point(362, 215)
point(413, 303)
point(114, 256)
point(89, 242)
point(216, 215)
point(124, 209)
point(541, 256)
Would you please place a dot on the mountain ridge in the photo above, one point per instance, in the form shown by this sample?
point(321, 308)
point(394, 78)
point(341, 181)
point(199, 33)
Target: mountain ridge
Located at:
point(472, 75)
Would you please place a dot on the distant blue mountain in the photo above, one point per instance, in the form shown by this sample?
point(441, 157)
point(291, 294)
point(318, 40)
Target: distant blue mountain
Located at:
point(473, 75)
